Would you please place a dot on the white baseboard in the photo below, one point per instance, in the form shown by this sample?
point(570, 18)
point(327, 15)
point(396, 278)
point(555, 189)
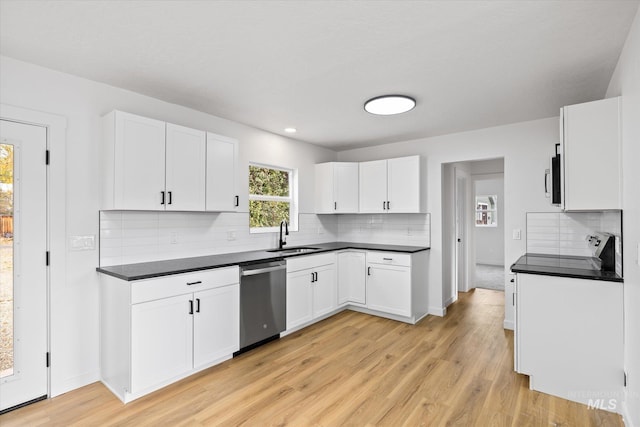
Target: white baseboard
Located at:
point(626, 415)
point(438, 311)
point(508, 324)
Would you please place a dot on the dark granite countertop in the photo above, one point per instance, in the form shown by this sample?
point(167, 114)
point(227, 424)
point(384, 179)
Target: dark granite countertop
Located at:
point(146, 270)
point(563, 266)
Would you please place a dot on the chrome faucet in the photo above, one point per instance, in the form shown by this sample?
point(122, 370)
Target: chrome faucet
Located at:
point(282, 241)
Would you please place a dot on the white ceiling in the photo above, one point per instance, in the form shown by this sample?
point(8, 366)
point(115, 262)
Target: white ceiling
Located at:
point(312, 64)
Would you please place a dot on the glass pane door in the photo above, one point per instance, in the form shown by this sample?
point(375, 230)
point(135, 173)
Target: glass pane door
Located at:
point(6, 261)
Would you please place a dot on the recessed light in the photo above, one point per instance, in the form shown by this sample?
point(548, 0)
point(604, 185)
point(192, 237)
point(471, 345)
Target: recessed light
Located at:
point(290, 130)
point(387, 105)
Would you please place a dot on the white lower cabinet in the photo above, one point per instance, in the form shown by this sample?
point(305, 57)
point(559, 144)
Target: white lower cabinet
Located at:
point(569, 338)
point(161, 341)
point(389, 289)
point(216, 324)
point(311, 288)
point(352, 280)
point(157, 331)
point(299, 299)
point(389, 283)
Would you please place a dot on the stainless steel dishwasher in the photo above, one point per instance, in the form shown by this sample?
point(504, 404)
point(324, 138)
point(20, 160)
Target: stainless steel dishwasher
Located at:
point(263, 303)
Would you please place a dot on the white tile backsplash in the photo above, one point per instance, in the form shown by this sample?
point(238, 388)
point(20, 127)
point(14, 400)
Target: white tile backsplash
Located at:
point(565, 233)
point(390, 229)
point(128, 237)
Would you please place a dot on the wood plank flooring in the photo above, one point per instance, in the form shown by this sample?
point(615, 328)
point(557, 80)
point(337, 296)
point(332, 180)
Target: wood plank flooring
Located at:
point(351, 369)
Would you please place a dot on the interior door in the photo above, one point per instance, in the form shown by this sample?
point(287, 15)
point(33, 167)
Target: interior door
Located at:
point(460, 232)
point(23, 271)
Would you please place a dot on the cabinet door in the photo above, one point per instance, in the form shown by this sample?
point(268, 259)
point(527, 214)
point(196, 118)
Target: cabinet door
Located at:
point(161, 341)
point(139, 157)
point(216, 324)
point(222, 171)
point(185, 169)
point(403, 179)
point(570, 335)
point(345, 187)
point(325, 290)
point(324, 188)
point(299, 298)
point(389, 289)
point(592, 158)
point(373, 186)
point(352, 277)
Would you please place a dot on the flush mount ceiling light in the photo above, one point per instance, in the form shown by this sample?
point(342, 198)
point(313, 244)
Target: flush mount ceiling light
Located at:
point(387, 105)
point(290, 130)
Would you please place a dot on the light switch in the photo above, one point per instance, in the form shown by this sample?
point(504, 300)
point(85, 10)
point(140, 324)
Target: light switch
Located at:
point(517, 234)
point(82, 243)
point(231, 235)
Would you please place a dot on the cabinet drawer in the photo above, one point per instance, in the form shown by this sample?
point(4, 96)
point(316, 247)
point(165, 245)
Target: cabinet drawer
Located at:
point(177, 284)
point(389, 258)
point(312, 261)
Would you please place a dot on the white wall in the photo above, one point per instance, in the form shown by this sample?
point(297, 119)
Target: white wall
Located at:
point(626, 82)
point(526, 148)
point(489, 241)
point(74, 310)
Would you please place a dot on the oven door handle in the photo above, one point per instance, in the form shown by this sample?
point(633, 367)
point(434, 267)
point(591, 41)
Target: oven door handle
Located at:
point(262, 270)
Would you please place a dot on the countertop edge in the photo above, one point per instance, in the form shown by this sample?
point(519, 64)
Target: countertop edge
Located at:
point(556, 271)
point(341, 246)
point(568, 275)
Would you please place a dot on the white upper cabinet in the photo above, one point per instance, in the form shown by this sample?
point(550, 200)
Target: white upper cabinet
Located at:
point(403, 184)
point(336, 187)
point(591, 142)
point(222, 171)
point(185, 169)
point(391, 185)
point(134, 162)
point(151, 165)
point(373, 186)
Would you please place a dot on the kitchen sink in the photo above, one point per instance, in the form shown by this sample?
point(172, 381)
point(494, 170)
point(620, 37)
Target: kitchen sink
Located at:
point(299, 250)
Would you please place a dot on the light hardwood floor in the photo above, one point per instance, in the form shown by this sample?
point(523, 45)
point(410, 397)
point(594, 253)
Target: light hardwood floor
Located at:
point(351, 369)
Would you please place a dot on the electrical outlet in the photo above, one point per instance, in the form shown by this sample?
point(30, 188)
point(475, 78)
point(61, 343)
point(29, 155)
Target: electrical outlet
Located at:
point(517, 234)
point(320, 230)
point(408, 231)
point(231, 235)
point(174, 237)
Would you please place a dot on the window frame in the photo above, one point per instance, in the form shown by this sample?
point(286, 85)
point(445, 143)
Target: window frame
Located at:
point(292, 199)
point(494, 211)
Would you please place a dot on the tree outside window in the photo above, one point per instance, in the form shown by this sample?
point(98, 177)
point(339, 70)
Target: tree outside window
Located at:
point(487, 211)
point(272, 198)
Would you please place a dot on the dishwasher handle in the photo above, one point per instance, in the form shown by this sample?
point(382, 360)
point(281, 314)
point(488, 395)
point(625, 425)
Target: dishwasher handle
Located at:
point(262, 270)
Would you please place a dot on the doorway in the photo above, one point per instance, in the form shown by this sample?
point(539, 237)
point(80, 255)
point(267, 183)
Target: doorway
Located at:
point(461, 225)
point(489, 229)
point(463, 257)
point(23, 264)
